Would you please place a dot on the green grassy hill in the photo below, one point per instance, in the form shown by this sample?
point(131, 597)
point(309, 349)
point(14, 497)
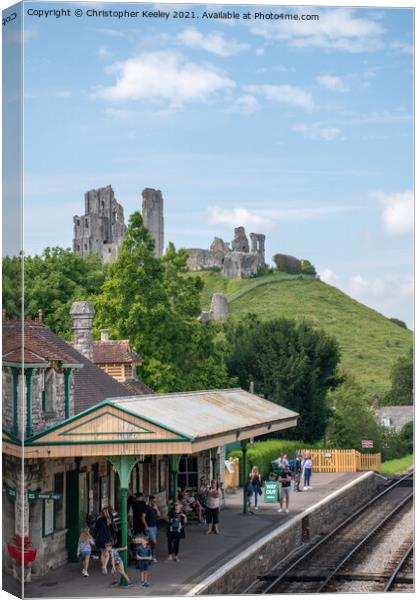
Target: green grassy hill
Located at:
point(369, 342)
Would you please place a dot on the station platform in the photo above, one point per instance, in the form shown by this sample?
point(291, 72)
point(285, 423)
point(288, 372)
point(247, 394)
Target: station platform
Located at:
point(200, 555)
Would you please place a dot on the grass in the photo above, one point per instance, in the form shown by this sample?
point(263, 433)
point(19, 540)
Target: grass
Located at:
point(369, 342)
point(397, 466)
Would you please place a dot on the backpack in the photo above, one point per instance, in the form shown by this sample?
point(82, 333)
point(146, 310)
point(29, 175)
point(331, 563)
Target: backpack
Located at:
point(292, 465)
point(175, 525)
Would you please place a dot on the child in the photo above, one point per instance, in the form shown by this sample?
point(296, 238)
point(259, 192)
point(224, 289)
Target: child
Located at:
point(84, 549)
point(144, 557)
point(117, 565)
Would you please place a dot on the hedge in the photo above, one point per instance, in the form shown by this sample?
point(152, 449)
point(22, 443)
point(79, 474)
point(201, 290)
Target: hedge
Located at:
point(261, 454)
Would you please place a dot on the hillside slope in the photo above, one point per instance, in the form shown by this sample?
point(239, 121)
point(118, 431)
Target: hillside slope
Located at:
point(369, 342)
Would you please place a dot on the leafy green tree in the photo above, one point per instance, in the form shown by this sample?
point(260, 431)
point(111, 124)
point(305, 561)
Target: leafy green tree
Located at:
point(307, 268)
point(290, 363)
point(401, 392)
point(352, 418)
point(155, 304)
point(52, 282)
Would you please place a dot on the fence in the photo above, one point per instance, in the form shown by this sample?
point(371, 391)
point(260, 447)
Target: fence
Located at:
point(343, 461)
point(232, 474)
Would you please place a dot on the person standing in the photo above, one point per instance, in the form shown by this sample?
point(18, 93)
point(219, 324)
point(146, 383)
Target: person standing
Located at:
point(307, 471)
point(256, 484)
point(144, 557)
point(285, 486)
point(175, 532)
point(84, 549)
point(152, 515)
point(298, 471)
point(213, 506)
point(104, 534)
point(139, 514)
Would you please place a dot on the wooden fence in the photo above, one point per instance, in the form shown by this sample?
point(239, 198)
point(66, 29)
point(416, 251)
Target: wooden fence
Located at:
point(323, 461)
point(343, 461)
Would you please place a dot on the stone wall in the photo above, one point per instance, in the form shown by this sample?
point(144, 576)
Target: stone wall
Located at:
point(234, 260)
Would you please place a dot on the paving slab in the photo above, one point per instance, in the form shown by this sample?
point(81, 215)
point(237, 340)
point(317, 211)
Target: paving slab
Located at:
point(200, 554)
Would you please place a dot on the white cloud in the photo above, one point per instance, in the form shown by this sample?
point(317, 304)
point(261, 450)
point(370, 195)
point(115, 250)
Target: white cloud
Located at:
point(397, 215)
point(317, 131)
point(104, 53)
point(245, 105)
point(163, 77)
point(404, 47)
point(387, 294)
point(236, 217)
point(285, 94)
point(332, 83)
point(328, 276)
point(259, 51)
point(215, 43)
point(340, 29)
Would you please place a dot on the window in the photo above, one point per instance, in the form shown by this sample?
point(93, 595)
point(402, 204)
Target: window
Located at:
point(78, 222)
point(188, 472)
point(386, 421)
point(85, 246)
point(86, 223)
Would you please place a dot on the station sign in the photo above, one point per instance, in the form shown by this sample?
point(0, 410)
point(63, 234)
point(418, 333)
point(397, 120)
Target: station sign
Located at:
point(44, 496)
point(271, 491)
point(9, 492)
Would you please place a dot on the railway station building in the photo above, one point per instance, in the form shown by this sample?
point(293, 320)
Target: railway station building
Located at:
point(76, 440)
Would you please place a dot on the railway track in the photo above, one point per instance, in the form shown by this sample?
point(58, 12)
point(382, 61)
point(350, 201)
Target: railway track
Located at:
point(321, 565)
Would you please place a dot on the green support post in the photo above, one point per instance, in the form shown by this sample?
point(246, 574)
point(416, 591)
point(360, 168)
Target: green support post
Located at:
point(244, 476)
point(15, 376)
point(213, 455)
point(174, 465)
point(67, 375)
point(28, 376)
point(123, 465)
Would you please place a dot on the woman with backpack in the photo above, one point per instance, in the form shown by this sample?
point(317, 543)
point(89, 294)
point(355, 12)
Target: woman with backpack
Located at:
point(175, 531)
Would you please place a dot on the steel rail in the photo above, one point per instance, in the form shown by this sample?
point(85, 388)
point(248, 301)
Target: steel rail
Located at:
point(329, 535)
point(362, 542)
point(397, 569)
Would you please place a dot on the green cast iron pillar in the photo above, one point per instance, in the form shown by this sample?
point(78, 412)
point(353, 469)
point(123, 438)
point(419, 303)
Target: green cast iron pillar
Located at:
point(28, 376)
point(174, 466)
point(67, 376)
point(15, 376)
point(244, 476)
point(213, 455)
point(123, 465)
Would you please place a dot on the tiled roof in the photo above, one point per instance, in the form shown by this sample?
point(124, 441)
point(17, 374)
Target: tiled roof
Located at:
point(114, 351)
point(91, 384)
point(136, 387)
point(35, 348)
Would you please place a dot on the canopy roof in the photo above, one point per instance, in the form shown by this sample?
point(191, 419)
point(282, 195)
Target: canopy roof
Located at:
point(178, 423)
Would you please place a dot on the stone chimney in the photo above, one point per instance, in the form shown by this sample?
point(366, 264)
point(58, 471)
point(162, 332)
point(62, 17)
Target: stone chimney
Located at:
point(104, 335)
point(82, 314)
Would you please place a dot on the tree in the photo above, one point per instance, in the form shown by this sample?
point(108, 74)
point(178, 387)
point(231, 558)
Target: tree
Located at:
point(401, 392)
point(52, 282)
point(352, 417)
point(155, 304)
point(290, 363)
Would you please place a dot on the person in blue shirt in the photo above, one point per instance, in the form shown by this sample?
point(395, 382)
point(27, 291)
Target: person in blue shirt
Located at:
point(144, 558)
point(152, 515)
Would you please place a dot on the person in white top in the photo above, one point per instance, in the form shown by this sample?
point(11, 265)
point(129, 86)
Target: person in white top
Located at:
point(307, 471)
point(212, 507)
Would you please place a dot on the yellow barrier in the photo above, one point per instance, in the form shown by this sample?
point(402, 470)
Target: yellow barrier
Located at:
point(232, 474)
point(343, 461)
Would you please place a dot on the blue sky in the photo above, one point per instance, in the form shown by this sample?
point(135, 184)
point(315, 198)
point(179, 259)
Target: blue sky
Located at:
point(301, 130)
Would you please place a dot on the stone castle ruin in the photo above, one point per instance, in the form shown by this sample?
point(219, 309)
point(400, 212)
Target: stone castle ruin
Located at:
point(234, 260)
point(102, 228)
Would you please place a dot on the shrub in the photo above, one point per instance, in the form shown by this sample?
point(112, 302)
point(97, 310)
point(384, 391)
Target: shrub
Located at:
point(307, 268)
point(263, 453)
point(398, 322)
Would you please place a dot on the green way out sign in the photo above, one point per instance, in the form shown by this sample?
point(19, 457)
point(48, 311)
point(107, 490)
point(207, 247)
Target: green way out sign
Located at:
point(271, 491)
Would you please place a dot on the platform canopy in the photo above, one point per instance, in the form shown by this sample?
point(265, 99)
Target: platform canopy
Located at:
point(177, 423)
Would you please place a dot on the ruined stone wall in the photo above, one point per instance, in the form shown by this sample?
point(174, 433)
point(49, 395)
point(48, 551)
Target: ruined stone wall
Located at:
point(101, 229)
point(152, 210)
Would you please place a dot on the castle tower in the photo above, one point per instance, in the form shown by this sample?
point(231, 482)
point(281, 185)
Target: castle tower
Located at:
point(152, 210)
point(101, 229)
